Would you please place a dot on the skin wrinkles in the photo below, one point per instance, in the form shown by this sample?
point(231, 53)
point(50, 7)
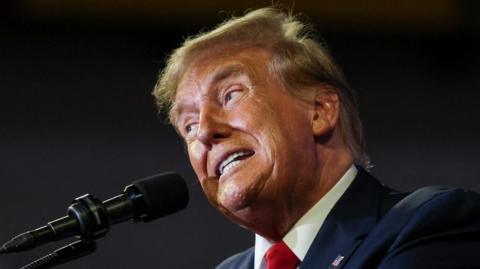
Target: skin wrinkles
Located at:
point(270, 190)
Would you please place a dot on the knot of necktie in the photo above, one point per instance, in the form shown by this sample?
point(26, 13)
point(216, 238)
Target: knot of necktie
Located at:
point(279, 256)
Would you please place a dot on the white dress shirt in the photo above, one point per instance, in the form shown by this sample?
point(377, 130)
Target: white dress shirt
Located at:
point(300, 237)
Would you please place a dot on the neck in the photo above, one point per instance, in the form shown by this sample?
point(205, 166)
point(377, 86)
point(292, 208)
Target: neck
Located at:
point(331, 169)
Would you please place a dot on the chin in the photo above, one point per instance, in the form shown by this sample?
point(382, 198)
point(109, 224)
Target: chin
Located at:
point(233, 197)
point(241, 192)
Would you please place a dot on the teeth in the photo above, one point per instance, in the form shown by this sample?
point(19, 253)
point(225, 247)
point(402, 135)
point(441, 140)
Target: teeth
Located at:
point(230, 162)
point(230, 166)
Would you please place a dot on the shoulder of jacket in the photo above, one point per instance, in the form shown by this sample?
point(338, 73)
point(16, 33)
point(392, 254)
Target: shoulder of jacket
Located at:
point(239, 260)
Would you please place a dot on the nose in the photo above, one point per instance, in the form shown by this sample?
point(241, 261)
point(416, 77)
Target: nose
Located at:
point(213, 125)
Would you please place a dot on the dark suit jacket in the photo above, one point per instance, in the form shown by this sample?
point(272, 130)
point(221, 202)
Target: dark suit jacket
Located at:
point(372, 226)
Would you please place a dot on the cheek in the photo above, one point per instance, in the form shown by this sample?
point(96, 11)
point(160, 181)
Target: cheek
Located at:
point(287, 143)
point(210, 188)
point(195, 154)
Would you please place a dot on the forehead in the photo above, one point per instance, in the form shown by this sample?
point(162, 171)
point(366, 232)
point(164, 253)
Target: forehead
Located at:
point(211, 68)
point(220, 62)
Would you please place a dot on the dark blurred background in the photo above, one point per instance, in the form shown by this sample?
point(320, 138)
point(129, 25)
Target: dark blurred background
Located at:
point(77, 117)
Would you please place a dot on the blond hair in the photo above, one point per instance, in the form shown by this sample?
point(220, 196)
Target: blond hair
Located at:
point(298, 61)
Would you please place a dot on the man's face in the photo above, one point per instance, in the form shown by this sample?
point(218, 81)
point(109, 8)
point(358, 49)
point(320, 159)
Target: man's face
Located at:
point(249, 142)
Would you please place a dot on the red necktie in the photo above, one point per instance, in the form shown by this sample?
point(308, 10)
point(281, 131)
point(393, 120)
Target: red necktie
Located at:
point(279, 256)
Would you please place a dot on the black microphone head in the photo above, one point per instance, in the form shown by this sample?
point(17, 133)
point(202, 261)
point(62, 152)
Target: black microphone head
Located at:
point(163, 194)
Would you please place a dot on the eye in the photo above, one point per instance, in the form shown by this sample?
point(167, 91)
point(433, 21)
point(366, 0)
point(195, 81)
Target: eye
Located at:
point(191, 128)
point(228, 97)
point(232, 95)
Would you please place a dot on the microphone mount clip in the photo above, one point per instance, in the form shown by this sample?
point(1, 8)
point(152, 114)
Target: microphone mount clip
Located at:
point(91, 216)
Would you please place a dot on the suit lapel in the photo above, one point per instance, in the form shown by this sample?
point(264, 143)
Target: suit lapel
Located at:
point(243, 260)
point(248, 261)
point(350, 220)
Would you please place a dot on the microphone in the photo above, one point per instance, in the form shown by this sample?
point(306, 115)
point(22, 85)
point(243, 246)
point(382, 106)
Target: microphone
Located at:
point(144, 200)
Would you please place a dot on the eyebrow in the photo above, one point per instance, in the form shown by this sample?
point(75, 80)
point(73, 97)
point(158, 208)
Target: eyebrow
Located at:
point(218, 76)
point(226, 72)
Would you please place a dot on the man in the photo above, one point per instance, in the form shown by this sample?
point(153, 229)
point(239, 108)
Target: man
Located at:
point(273, 134)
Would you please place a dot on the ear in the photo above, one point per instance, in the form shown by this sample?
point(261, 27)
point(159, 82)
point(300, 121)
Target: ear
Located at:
point(325, 112)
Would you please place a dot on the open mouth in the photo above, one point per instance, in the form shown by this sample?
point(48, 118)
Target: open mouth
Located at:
point(233, 160)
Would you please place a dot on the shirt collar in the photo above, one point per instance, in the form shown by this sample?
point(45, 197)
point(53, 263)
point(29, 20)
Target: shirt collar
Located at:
point(301, 236)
